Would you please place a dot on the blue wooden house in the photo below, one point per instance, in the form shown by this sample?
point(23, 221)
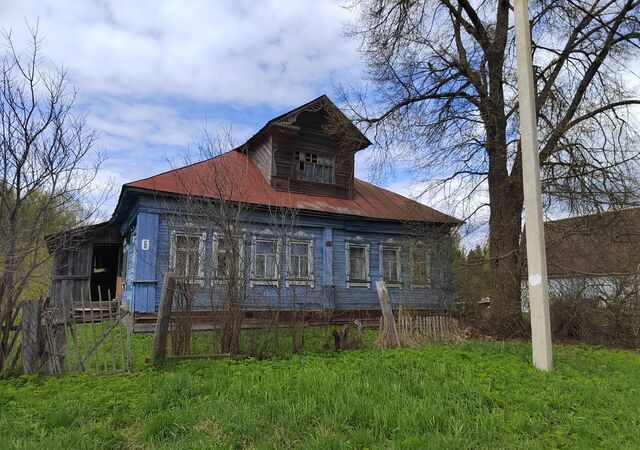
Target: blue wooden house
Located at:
point(345, 235)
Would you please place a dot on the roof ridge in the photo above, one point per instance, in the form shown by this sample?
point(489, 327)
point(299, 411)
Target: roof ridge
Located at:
point(595, 214)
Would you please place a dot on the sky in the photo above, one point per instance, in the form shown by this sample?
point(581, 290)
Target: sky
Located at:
point(150, 75)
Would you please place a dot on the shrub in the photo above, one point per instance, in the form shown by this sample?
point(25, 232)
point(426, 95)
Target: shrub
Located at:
point(604, 311)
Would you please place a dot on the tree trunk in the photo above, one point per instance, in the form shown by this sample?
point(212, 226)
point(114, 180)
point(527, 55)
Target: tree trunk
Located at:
point(506, 199)
point(232, 322)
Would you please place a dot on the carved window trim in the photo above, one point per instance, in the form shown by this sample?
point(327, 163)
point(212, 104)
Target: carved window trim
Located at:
point(397, 283)
point(268, 281)
point(300, 281)
point(423, 249)
point(218, 250)
point(174, 250)
point(351, 282)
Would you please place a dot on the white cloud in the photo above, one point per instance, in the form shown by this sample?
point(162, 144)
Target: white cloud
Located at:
point(244, 52)
point(150, 73)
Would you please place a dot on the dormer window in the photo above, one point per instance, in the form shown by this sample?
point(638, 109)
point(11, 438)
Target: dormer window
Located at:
point(314, 167)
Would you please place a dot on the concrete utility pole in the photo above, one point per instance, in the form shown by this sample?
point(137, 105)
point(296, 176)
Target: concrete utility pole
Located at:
point(536, 254)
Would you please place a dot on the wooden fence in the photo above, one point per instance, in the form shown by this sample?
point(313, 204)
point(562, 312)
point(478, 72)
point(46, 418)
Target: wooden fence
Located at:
point(420, 329)
point(75, 335)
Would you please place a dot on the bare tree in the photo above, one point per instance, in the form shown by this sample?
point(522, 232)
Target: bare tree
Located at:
point(210, 210)
point(46, 167)
point(291, 290)
point(442, 95)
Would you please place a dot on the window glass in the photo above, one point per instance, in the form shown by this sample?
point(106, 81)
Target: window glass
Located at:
point(225, 258)
point(187, 255)
point(420, 266)
point(265, 260)
point(314, 167)
point(390, 264)
point(357, 263)
point(299, 260)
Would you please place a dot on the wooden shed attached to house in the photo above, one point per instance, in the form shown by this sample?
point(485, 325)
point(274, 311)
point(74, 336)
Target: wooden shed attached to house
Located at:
point(86, 263)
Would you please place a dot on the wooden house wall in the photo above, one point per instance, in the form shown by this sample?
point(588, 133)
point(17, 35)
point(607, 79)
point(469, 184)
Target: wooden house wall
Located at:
point(258, 296)
point(142, 279)
point(330, 285)
point(71, 273)
point(312, 138)
point(261, 155)
point(72, 263)
point(437, 295)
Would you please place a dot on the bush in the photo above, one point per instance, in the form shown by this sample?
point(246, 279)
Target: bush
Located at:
point(604, 311)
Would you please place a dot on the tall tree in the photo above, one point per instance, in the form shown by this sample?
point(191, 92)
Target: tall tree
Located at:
point(442, 94)
point(45, 171)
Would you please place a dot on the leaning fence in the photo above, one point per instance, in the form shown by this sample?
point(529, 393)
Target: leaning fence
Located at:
point(75, 335)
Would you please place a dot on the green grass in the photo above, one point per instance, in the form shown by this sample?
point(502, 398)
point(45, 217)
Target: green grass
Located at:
point(110, 353)
point(472, 395)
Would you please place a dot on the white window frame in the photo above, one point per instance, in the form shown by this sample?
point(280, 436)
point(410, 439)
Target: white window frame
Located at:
point(309, 281)
point(367, 279)
point(124, 269)
point(172, 253)
point(214, 256)
point(261, 281)
point(128, 261)
point(420, 246)
point(397, 249)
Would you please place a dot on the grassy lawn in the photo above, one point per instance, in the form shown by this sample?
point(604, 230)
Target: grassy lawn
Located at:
point(471, 395)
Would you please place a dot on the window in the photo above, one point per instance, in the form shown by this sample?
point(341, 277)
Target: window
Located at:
point(124, 260)
point(314, 167)
point(129, 259)
point(390, 265)
point(357, 264)
point(265, 261)
point(226, 258)
point(186, 254)
point(420, 265)
point(300, 270)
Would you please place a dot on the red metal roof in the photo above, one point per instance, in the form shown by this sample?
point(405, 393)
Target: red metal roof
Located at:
point(234, 177)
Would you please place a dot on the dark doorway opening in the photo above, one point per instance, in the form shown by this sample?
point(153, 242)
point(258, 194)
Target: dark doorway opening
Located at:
point(104, 271)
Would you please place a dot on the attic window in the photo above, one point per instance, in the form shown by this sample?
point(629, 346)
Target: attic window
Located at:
point(314, 167)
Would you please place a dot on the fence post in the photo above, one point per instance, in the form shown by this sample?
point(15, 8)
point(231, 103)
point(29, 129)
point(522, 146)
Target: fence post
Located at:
point(389, 330)
point(29, 327)
point(164, 319)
